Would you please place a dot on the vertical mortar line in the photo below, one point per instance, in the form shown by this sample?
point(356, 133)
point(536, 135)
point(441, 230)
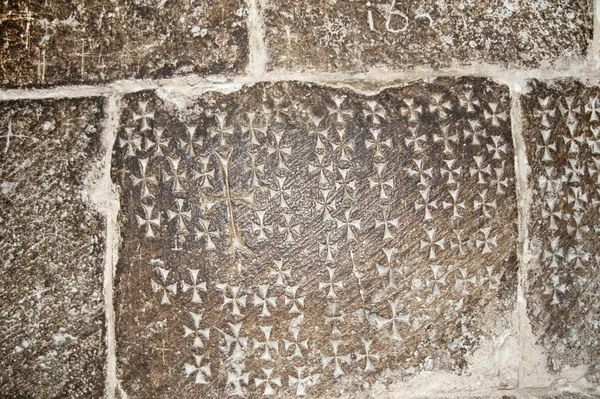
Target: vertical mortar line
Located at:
point(110, 204)
point(257, 51)
point(523, 203)
point(594, 55)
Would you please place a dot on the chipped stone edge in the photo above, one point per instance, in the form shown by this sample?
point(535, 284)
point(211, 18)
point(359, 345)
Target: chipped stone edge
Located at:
point(105, 200)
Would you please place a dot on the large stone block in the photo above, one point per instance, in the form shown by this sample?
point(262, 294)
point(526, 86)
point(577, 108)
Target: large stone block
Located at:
point(48, 42)
point(562, 132)
point(52, 250)
point(291, 238)
point(360, 35)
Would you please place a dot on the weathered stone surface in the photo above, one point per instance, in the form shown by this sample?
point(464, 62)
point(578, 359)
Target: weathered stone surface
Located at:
point(561, 130)
point(288, 236)
point(46, 42)
point(359, 35)
point(52, 247)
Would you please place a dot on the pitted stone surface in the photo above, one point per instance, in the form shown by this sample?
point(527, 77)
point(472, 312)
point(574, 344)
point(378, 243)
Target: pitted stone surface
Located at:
point(290, 238)
point(48, 42)
point(52, 247)
point(359, 35)
point(562, 132)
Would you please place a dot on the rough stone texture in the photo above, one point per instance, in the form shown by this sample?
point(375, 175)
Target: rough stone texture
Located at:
point(562, 132)
point(47, 42)
point(290, 237)
point(359, 35)
point(52, 247)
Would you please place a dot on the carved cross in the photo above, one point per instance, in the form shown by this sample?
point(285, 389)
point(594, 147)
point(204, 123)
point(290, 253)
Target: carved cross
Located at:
point(267, 344)
point(446, 139)
point(388, 270)
point(176, 176)
point(221, 131)
point(196, 331)
point(320, 166)
point(329, 248)
point(337, 359)
point(253, 131)
point(480, 170)
point(189, 144)
point(131, 142)
point(206, 234)
point(144, 116)
point(487, 242)
point(280, 150)
point(162, 286)
point(367, 356)
point(201, 371)
point(195, 286)
point(387, 222)
point(238, 343)
point(377, 143)
point(232, 294)
point(263, 299)
point(347, 223)
point(394, 321)
point(180, 216)
point(495, 115)
point(450, 170)
point(331, 285)
point(148, 220)
point(430, 243)
point(235, 379)
point(292, 298)
point(380, 182)
point(268, 381)
point(235, 239)
point(144, 180)
point(296, 345)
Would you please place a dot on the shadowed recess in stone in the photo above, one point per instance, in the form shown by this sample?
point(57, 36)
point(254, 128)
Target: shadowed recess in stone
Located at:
point(359, 35)
point(52, 247)
point(49, 42)
point(562, 132)
point(290, 239)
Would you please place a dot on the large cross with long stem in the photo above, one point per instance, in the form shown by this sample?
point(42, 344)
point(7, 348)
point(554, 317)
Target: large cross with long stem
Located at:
point(235, 241)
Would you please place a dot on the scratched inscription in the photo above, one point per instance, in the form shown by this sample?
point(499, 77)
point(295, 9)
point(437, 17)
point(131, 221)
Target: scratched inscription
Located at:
point(361, 35)
point(46, 42)
point(287, 238)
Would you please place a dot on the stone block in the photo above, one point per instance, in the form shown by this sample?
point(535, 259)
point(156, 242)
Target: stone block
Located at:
point(562, 133)
point(292, 239)
point(58, 42)
point(52, 250)
point(396, 35)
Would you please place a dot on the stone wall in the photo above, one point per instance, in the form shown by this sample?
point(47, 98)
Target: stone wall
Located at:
point(318, 198)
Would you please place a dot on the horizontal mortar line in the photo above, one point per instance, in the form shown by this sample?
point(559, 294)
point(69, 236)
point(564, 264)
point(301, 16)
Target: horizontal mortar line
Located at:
point(523, 392)
point(195, 84)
